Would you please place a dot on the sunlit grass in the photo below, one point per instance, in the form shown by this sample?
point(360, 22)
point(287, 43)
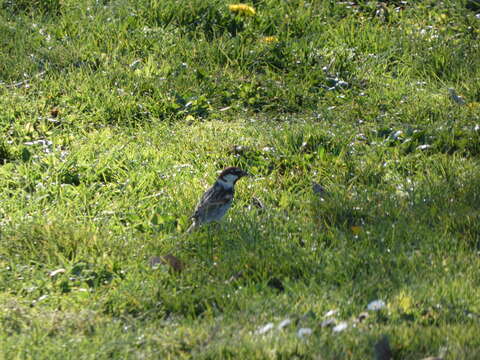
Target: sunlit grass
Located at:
point(117, 115)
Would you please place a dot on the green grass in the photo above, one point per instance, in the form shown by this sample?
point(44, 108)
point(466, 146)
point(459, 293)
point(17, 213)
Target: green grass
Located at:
point(116, 115)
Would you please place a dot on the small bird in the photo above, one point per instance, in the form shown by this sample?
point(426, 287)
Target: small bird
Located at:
point(218, 199)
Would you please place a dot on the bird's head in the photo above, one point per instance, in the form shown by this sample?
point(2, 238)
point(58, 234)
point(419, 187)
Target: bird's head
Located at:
point(230, 175)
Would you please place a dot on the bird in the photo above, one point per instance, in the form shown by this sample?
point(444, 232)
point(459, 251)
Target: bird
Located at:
point(216, 201)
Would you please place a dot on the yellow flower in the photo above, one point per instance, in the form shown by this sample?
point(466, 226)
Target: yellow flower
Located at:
point(404, 303)
point(269, 39)
point(242, 9)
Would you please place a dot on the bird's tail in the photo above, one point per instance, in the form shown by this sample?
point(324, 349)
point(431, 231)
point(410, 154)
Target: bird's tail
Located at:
point(192, 227)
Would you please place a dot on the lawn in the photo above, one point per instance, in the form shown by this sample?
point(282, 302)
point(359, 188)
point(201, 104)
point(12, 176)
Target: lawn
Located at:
point(357, 235)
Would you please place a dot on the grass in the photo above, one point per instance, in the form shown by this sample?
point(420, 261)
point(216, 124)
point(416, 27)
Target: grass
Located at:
point(116, 116)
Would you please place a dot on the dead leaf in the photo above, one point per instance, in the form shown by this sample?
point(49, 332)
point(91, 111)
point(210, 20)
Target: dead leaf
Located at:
point(54, 112)
point(276, 283)
point(356, 230)
point(175, 263)
point(362, 316)
point(382, 349)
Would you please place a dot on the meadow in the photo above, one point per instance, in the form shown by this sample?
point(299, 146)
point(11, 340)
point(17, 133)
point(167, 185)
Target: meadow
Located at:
point(357, 236)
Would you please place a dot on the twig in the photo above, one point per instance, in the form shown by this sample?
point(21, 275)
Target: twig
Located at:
point(26, 81)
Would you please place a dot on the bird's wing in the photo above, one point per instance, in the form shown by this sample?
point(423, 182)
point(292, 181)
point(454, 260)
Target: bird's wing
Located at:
point(213, 197)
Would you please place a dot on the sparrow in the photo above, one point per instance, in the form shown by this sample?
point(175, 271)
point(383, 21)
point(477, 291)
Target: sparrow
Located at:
point(216, 201)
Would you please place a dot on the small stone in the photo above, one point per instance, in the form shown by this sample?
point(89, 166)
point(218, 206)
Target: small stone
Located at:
point(154, 261)
point(376, 305)
point(318, 189)
point(340, 327)
point(455, 97)
point(424, 147)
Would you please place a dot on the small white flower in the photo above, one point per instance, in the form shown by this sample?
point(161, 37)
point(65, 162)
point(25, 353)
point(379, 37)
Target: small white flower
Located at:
point(284, 323)
point(264, 329)
point(304, 332)
point(330, 313)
